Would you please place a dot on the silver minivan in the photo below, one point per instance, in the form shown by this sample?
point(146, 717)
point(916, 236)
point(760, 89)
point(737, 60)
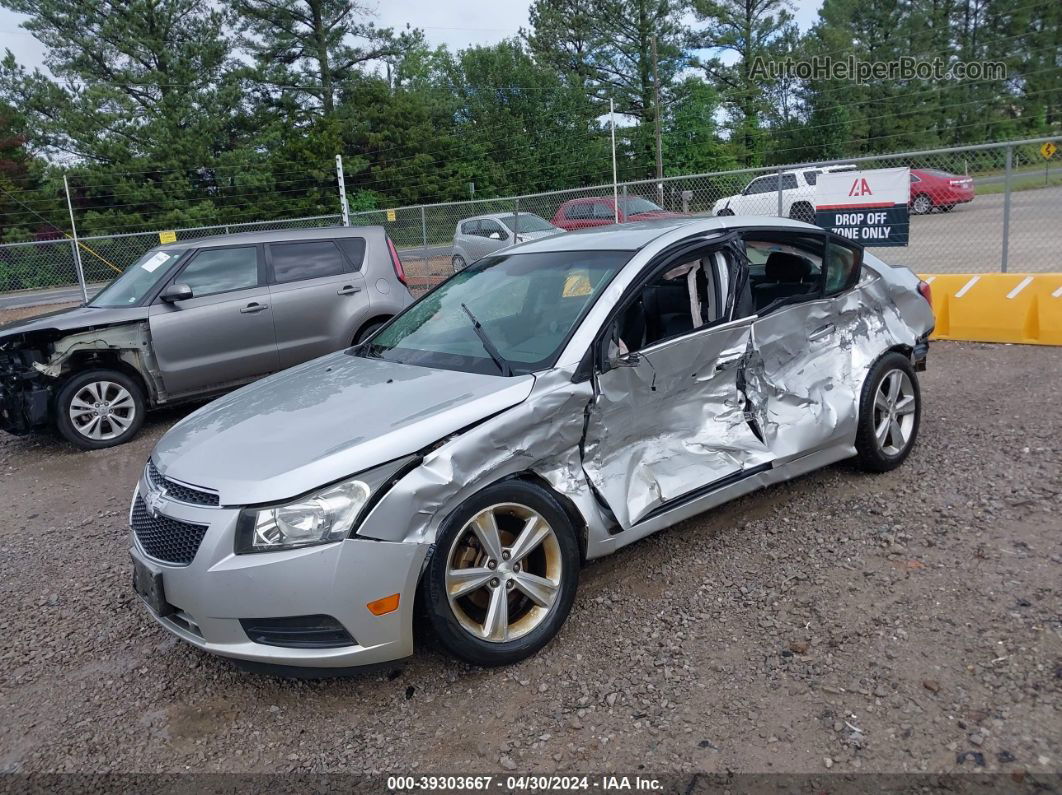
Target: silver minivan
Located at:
point(481, 235)
point(194, 319)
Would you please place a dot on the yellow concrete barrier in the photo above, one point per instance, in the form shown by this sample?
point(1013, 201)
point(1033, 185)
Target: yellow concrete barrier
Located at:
point(998, 307)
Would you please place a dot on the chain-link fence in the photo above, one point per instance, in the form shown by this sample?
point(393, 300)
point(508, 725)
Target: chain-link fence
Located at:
point(52, 263)
point(973, 209)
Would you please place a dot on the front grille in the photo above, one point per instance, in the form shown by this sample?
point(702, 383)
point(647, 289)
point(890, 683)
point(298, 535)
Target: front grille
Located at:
point(166, 539)
point(179, 491)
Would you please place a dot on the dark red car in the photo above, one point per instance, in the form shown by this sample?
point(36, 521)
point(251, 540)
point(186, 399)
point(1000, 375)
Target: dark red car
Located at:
point(932, 189)
point(601, 211)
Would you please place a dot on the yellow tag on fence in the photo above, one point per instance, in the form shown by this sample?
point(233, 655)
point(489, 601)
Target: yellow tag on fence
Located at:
point(390, 215)
point(168, 237)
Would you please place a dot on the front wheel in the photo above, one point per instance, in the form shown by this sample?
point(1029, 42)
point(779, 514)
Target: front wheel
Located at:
point(100, 408)
point(890, 411)
point(503, 575)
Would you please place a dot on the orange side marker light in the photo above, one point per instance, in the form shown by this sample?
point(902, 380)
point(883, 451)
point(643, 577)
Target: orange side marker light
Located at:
point(382, 607)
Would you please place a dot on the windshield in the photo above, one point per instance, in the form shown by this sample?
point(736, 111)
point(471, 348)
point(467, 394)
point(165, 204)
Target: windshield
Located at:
point(137, 280)
point(526, 304)
point(528, 222)
point(635, 206)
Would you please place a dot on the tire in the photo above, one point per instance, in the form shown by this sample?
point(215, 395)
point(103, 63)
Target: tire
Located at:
point(802, 211)
point(111, 404)
point(368, 331)
point(921, 204)
point(874, 453)
point(724, 212)
point(459, 263)
point(464, 623)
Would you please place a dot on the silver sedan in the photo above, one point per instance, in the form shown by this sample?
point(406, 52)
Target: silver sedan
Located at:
point(481, 235)
point(547, 405)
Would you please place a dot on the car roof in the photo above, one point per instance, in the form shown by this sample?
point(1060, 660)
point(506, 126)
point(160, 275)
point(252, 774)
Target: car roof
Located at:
point(497, 216)
point(276, 235)
point(633, 236)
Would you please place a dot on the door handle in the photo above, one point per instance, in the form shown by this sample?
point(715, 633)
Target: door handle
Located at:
point(348, 289)
point(250, 309)
point(820, 332)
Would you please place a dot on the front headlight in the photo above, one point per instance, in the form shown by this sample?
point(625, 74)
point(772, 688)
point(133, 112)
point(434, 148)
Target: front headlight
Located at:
point(319, 518)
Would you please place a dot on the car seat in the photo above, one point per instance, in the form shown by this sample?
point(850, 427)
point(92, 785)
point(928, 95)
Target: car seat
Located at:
point(785, 275)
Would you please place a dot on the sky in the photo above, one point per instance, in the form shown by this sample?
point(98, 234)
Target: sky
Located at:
point(456, 23)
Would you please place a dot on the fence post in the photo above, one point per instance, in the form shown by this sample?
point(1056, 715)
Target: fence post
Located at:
point(343, 206)
point(624, 197)
point(779, 193)
point(424, 238)
point(77, 250)
point(1006, 209)
point(516, 216)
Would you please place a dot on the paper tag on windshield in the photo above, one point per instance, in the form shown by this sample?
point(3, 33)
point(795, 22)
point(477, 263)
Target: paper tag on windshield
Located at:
point(577, 284)
point(152, 264)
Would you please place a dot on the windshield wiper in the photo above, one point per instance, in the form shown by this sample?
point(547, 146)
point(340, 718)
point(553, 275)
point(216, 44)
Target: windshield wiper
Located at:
point(499, 360)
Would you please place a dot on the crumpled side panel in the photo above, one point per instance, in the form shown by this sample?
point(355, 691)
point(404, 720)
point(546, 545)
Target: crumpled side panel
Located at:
point(671, 424)
point(542, 435)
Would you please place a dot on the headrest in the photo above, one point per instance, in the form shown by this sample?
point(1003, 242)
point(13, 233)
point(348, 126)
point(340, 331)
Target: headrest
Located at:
point(785, 267)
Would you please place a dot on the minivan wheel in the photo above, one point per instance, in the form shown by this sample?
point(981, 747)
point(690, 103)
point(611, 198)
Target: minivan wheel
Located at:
point(889, 415)
point(99, 408)
point(459, 263)
point(503, 574)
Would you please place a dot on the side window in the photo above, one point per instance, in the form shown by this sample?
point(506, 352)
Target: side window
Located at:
point(811, 177)
point(470, 228)
point(789, 181)
point(682, 298)
point(577, 212)
point(915, 178)
point(843, 263)
point(783, 270)
point(221, 270)
point(310, 259)
point(488, 228)
point(602, 211)
point(354, 248)
point(762, 185)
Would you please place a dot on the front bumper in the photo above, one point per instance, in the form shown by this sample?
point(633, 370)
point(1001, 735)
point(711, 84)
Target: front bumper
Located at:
point(218, 588)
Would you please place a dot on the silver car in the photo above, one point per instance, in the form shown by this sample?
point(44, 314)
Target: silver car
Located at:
point(193, 319)
point(484, 234)
point(547, 405)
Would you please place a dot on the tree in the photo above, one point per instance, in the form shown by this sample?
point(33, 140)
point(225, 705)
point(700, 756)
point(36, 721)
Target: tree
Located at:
point(304, 50)
point(745, 29)
point(691, 140)
point(605, 47)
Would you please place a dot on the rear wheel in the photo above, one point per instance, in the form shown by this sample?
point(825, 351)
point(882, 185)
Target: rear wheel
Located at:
point(458, 263)
point(100, 408)
point(503, 575)
point(368, 331)
point(802, 211)
point(921, 204)
point(890, 411)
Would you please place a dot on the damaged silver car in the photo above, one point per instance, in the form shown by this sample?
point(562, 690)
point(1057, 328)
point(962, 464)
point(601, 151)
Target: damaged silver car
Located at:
point(192, 320)
point(547, 405)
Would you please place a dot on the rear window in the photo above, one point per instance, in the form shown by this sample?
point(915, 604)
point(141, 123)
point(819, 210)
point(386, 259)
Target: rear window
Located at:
point(310, 259)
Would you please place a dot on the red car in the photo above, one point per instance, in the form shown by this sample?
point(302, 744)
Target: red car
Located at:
point(601, 211)
point(931, 189)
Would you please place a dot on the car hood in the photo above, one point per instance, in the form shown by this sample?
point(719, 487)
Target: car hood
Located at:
point(324, 420)
point(74, 319)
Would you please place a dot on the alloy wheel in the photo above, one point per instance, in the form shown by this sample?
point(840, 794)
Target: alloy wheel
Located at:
point(503, 572)
point(922, 204)
point(102, 410)
point(894, 412)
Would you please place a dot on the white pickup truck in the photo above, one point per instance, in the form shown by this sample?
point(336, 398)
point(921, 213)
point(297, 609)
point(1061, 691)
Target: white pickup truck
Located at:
point(760, 197)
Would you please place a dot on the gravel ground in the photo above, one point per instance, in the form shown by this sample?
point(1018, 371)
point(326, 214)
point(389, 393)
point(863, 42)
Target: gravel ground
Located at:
point(899, 622)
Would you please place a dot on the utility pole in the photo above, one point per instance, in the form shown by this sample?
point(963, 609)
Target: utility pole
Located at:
point(76, 244)
point(615, 187)
point(343, 206)
point(659, 145)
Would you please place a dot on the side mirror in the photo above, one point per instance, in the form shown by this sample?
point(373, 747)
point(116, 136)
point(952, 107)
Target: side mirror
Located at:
point(632, 359)
point(495, 236)
point(176, 292)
